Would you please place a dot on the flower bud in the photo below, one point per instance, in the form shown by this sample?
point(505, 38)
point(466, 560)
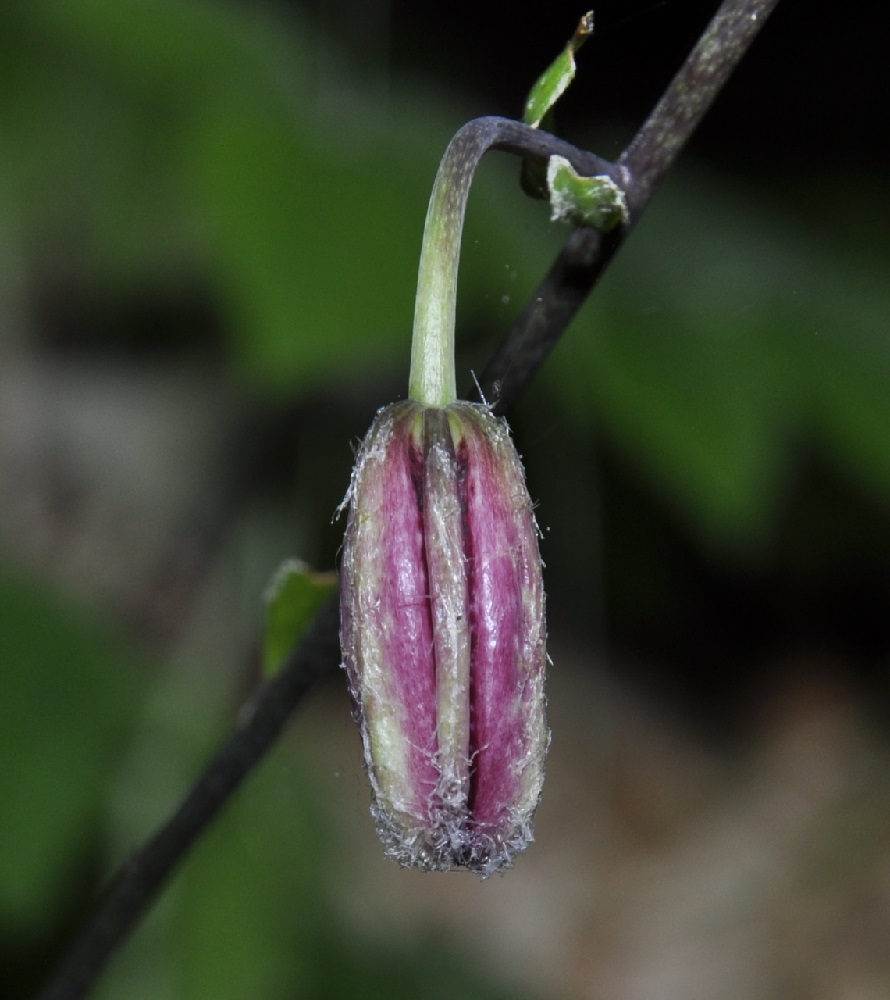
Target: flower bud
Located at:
point(443, 635)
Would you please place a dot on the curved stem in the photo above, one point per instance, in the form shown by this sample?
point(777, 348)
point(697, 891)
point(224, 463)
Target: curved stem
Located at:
point(431, 380)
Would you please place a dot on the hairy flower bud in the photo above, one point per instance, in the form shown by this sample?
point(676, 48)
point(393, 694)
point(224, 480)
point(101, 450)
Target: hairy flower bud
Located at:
point(443, 635)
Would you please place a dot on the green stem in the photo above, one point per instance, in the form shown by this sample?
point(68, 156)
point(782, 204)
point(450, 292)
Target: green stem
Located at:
point(432, 380)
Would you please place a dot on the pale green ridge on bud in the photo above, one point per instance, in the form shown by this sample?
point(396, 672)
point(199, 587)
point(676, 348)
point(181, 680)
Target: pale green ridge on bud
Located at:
point(450, 610)
point(597, 202)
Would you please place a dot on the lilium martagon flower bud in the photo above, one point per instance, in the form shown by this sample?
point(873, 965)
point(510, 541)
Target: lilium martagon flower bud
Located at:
point(441, 594)
point(443, 635)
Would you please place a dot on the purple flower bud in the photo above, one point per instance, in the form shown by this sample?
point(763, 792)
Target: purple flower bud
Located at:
point(443, 635)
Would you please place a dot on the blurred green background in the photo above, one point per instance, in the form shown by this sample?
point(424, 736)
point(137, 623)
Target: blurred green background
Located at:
point(210, 218)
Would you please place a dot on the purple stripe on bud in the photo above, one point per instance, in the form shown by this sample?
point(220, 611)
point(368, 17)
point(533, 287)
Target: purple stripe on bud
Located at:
point(443, 636)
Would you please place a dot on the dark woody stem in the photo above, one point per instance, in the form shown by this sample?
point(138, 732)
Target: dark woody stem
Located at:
point(583, 258)
point(692, 91)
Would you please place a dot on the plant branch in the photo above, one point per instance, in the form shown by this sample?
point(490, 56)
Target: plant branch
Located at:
point(652, 151)
point(583, 258)
point(690, 94)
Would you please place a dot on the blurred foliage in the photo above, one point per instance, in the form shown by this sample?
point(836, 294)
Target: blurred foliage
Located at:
point(184, 136)
point(69, 700)
point(229, 145)
point(723, 340)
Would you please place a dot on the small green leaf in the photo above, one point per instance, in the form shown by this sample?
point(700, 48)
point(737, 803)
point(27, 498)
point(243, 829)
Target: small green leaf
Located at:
point(597, 202)
point(292, 598)
point(552, 83)
point(581, 201)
